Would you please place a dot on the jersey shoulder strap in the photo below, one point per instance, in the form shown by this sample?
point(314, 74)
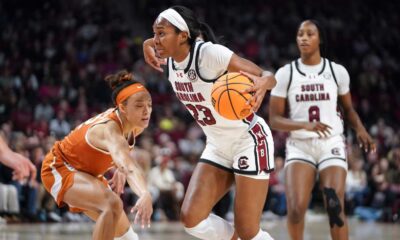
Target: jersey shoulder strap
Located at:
point(333, 73)
point(167, 68)
point(290, 76)
point(197, 66)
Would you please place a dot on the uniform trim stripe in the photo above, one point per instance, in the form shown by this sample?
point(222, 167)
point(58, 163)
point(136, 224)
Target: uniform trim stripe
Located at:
point(333, 73)
point(301, 160)
point(261, 148)
point(215, 165)
point(290, 76)
point(196, 65)
point(326, 159)
point(296, 63)
point(251, 172)
point(56, 187)
point(255, 149)
point(190, 60)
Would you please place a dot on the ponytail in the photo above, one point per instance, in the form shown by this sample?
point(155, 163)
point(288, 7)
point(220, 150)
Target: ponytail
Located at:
point(207, 34)
point(197, 29)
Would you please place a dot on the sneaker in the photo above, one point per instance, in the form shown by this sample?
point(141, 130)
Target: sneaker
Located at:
point(54, 217)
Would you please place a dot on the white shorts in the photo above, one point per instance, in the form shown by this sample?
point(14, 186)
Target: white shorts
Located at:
point(318, 152)
point(250, 155)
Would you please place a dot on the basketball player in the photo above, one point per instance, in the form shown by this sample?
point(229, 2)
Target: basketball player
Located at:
point(239, 151)
point(312, 86)
point(73, 170)
point(21, 166)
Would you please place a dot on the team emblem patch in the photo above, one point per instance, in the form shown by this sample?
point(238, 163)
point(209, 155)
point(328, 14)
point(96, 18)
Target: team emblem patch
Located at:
point(192, 75)
point(242, 163)
point(327, 75)
point(335, 151)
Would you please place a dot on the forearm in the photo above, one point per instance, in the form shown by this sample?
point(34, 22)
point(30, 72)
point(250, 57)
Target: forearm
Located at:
point(7, 158)
point(285, 124)
point(134, 177)
point(354, 120)
point(149, 42)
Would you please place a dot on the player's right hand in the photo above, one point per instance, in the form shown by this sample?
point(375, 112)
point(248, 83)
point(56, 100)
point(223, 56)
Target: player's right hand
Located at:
point(150, 56)
point(320, 128)
point(23, 168)
point(143, 209)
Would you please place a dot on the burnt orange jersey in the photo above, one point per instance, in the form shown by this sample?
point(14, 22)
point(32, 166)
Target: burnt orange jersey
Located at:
point(77, 151)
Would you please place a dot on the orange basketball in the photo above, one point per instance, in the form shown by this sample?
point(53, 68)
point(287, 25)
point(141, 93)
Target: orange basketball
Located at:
point(227, 97)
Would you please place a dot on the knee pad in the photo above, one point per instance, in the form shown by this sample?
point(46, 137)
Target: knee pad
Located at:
point(333, 207)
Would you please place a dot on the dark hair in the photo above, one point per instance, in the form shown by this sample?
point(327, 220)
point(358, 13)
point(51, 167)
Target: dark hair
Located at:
point(196, 28)
point(321, 33)
point(119, 81)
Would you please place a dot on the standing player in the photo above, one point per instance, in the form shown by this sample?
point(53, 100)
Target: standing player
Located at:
point(236, 151)
point(73, 170)
point(312, 86)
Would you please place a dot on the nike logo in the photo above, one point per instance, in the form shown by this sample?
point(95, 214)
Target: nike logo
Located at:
point(139, 86)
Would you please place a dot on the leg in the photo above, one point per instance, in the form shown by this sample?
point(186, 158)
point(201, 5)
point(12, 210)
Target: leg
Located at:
point(299, 182)
point(122, 227)
point(333, 187)
point(207, 186)
point(95, 197)
point(13, 203)
point(249, 203)
point(3, 198)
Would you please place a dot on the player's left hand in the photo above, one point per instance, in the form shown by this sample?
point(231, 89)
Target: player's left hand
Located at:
point(143, 209)
point(366, 141)
point(117, 182)
point(261, 85)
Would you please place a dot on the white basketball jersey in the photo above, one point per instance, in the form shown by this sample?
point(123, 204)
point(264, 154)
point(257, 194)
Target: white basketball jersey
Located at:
point(313, 96)
point(194, 91)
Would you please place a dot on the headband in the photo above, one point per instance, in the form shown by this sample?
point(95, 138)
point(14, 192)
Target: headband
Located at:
point(175, 19)
point(129, 91)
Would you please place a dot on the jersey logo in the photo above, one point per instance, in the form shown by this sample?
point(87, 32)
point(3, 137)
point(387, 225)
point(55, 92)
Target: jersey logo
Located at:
point(327, 75)
point(335, 151)
point(192, 75)
point(242, 163)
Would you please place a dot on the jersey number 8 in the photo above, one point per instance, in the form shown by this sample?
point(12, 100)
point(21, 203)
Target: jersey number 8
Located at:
point(313, 114)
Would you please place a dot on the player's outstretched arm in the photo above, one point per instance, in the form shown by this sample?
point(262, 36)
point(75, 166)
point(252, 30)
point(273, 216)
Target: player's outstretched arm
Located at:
point(119, 150)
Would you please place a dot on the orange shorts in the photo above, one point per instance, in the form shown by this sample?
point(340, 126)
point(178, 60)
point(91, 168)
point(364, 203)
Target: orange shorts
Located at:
point(58, 177)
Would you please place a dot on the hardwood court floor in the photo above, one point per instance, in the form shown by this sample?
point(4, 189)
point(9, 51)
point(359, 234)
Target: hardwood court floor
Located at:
point(316, 229)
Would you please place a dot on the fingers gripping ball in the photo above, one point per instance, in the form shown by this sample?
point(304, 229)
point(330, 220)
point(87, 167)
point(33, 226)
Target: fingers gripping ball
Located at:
point(227, 97)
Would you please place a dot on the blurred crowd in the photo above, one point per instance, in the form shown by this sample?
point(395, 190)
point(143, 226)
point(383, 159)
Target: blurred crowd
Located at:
point(54, 56)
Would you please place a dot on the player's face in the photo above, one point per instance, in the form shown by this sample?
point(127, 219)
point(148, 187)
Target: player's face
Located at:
point(308, 38)
point(138, 109)
point(166, 39)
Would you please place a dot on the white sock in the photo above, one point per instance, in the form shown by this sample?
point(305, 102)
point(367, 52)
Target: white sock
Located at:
point(129, 235)
point(261, 235)
point(212, 227)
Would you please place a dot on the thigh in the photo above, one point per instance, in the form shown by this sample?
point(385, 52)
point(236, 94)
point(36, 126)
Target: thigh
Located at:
point(334, 177)
point(89, 193)
point(249, 201)
point(299, 182)
point(207, 186)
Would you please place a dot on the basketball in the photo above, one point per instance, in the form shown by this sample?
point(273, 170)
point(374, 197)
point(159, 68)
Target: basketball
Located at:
point(227, 97)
